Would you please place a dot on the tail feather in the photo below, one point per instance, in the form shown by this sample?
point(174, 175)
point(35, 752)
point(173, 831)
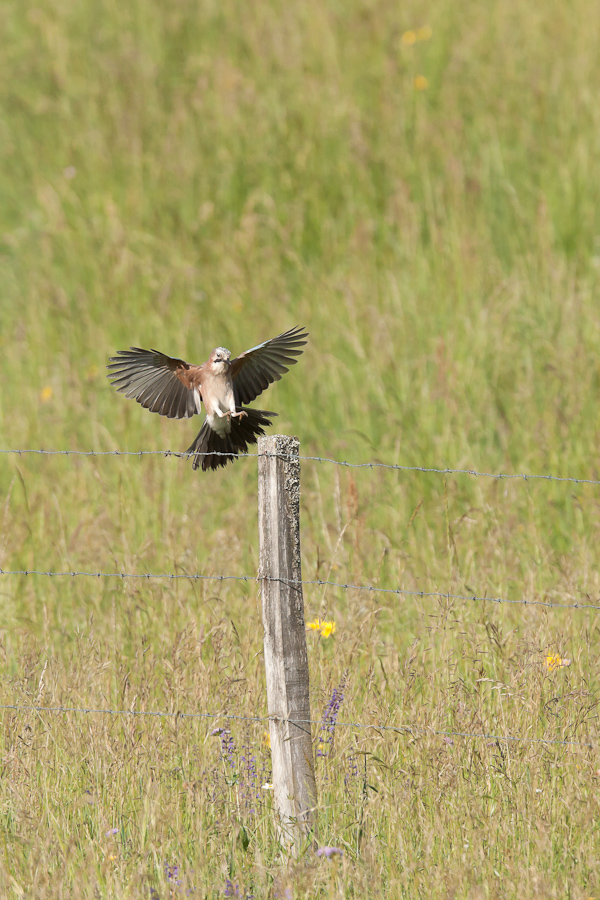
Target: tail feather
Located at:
point(245, 430)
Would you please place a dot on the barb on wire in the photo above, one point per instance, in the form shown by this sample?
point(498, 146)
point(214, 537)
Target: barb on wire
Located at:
point(401, 592)
point(322, 459)
point(446, 595)
point(398, 729)
point(175, 453)
point(147, 576)
point(449, 471)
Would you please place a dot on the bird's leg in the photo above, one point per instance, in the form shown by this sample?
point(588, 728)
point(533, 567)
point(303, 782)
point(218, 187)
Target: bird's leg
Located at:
point(238, 415)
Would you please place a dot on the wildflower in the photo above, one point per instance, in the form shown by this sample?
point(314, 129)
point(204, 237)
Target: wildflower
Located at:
point(231, 889)
point(172, 873)
point(556, 662)
point(267, 786)
point(111, 831)
point(329, 852)
point(267, 739)
point(352, 771)
point(327, 628)
point(327, 729)
point(250, 790)
point(424, 33)
point(228, 747)
point(409, 38)
point(421, 83)
point(46, 394)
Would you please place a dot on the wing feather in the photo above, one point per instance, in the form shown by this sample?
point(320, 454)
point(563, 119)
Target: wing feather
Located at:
point(254, 370)
point(160, 383)
point(167, 402)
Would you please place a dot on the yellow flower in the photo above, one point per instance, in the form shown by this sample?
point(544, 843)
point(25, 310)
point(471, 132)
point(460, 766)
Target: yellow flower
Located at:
point(266, 739)
point(556, 662)
point(409, 38)
point(420, 83)
point(327, 628)
point(424, 33)
point(46, 394)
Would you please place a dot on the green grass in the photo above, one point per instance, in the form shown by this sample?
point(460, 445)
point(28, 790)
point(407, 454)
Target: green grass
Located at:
point(189, 174)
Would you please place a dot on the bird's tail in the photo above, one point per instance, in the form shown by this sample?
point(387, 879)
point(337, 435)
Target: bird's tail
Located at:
point(244, 430)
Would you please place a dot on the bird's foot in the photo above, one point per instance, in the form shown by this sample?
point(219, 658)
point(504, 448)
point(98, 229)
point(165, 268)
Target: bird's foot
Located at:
point(237, 415)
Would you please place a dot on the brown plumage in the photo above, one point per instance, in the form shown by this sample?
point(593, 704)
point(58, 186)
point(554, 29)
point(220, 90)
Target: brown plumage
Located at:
point(176, 389)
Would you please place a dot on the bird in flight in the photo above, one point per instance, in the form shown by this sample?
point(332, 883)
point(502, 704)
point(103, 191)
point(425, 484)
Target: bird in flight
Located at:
point(176, 389)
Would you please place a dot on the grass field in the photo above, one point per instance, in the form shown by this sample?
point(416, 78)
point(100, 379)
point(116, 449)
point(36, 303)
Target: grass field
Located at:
point(419, 185)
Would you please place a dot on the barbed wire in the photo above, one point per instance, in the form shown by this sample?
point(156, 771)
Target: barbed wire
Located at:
point(317, 582)
point(398, 729)
point(147, 575)
point(322, 459)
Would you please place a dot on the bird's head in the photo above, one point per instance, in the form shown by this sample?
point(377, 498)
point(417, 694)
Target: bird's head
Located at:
point(220, 359)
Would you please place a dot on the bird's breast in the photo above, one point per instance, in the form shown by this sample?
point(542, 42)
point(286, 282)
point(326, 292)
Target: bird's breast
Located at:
point(217, 393)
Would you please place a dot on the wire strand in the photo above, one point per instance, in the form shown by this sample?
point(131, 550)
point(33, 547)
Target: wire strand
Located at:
point(398, 729)
point(310, 582)
point(124, 575)
point(321, 459)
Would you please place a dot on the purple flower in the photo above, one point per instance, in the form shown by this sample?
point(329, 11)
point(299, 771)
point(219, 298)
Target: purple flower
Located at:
point(251, 790)
point(111, 831)
point(233, 890)
point(228, 747)
point(352, 770)
point(327, 729)
point(172, 873)
point(328, 852)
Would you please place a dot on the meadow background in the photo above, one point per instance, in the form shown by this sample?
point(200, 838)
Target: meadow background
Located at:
point(419, 185)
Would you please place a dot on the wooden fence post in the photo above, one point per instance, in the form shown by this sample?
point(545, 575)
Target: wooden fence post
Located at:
point(286, 657)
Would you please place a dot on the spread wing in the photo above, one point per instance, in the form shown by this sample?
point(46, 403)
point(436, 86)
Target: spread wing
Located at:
point(254, 370)
point(160, 383)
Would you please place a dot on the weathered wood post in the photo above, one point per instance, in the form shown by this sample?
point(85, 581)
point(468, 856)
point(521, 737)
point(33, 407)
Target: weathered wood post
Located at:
point(286, 657)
